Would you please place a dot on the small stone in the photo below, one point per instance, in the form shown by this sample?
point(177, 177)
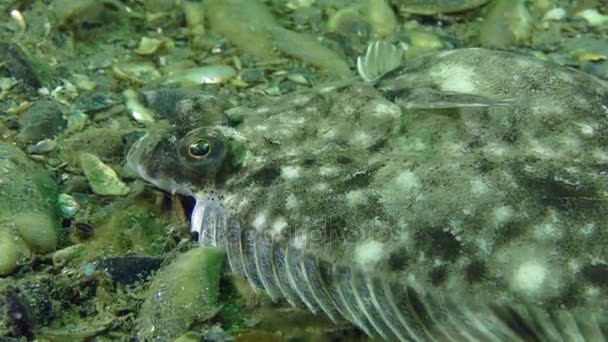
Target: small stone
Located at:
point(253, 75)
point(43, 120)
point(38, 230)
point(129, 270)
point(19, 65)
point(28, 220)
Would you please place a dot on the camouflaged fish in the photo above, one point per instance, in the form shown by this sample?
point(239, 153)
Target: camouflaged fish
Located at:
point(460, 196)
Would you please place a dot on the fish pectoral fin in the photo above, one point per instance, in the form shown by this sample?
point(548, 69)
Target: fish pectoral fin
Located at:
point(380, 58)
point(428, 98)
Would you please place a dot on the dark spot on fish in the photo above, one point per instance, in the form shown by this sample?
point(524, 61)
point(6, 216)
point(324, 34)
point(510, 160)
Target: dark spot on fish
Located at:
point(343, 160)
point(558, 189)
point(356, 180)
point(398, 259)
point(440, 243)
point(308, 162)
point(438, 275)
point(570, 297)
point(266, 175)
point(475, 272)
point(511, 135)
point(596, 274)
point(394, 95)
point(509, 232)
point(484, 165)
point(334, 228)
point(378, 145)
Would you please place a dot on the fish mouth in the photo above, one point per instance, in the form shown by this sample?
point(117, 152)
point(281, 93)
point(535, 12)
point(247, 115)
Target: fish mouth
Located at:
point(208, 220)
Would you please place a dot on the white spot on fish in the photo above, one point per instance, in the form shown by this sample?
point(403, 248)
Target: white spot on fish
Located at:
point(327, 171)
point(321, 187)
point(369, 253)
point(456, 78)
point(478, 186)
point(356, 198)
point(529, 277)
point(259, 221)
point(291, 202)
point(407, 180)
point(586, 129)
point(503, 215)
point(290, 172)
point(360, 139)
point(389, 109)
point(299, 241)
point(278, 225)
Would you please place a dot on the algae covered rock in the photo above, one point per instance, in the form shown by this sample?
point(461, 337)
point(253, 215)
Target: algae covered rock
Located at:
point(28, 212)
point(102, 178)
point(184, 292)
point(43, 120)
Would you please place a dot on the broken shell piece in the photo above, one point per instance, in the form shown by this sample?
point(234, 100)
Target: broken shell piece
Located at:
point(19, 19)
point(42, 147)
point(138, 73)
point(210, 74)
point(84, 82)
point(138, 111)
point(555, 14)
point(102, 178)
point(593, 17)
point(148, 46)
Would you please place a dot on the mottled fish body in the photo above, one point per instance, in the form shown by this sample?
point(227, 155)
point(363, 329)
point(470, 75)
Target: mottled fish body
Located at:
point(460, 196)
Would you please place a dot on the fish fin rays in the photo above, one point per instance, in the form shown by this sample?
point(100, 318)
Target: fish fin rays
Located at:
point(380, 58)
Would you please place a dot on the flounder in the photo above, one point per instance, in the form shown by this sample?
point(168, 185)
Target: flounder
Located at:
point(460, 196)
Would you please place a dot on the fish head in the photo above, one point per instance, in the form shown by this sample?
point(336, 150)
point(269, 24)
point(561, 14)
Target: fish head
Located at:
point(203, 157)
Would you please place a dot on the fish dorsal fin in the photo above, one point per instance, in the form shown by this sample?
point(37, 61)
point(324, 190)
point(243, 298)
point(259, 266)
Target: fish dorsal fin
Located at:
point(380, 58)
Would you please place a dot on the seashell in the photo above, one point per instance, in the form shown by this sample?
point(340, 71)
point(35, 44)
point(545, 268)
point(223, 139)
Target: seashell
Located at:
point(209, 74)
point(138, 111)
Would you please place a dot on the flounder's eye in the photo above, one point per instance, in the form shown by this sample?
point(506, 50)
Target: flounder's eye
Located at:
point(199, 149)
point(202, 151)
